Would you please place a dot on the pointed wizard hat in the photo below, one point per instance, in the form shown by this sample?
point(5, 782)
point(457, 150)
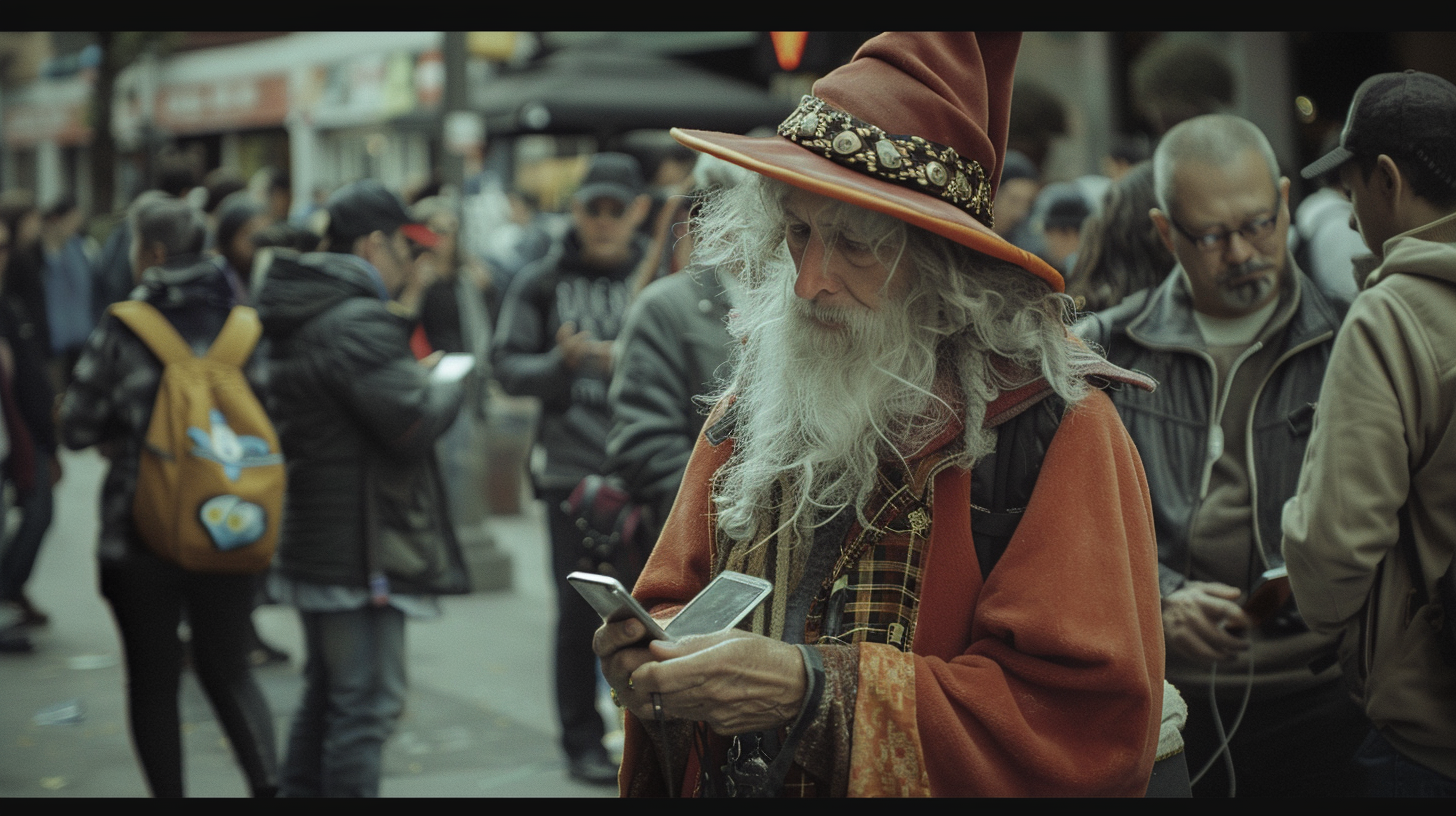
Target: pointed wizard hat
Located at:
point(914, 126)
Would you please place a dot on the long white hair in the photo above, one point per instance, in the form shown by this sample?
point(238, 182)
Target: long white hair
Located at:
point(817, 412)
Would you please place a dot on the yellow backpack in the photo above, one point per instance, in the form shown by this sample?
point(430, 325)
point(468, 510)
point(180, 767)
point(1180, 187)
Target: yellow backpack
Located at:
point(210, 481)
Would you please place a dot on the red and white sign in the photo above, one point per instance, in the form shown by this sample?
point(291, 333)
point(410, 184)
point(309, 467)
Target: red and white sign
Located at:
point(206, 107)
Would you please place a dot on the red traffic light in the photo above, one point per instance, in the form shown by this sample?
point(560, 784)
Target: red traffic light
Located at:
point(788, 47)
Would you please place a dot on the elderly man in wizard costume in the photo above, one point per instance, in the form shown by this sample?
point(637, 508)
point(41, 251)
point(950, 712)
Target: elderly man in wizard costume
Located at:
point(914, 452)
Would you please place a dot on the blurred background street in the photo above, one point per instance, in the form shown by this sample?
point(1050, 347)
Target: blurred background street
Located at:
point(486, 137)
point(479, 722)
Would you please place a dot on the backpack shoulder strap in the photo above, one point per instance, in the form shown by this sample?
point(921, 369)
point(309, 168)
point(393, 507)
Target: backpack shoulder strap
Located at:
point(1002, 482)
point(154, 329)
point(238, 337)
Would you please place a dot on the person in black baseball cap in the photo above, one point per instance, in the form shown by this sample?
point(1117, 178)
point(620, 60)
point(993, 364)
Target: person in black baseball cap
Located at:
point(368, 540)
point(607, 208)
point(1374, 521)
point(1399, 134)
point(367, 220)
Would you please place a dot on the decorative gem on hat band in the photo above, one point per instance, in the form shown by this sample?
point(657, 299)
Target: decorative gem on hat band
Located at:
point(909, 161)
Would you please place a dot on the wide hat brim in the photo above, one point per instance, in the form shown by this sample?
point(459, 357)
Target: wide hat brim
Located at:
point(779, 158)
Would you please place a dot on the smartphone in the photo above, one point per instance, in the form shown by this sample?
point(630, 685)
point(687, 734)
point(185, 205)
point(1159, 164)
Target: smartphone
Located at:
point(721, 605)
point(613, 602)
point(453, 367)
point(1268, 596)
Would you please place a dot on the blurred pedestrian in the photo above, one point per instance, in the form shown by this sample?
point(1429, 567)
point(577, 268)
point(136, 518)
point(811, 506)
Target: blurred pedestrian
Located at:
point(1120, 251)
point(1020, 182)
point(672, 351)
point(554, 342)
point(31, 467)
point(1328, 243)
point(274, 188)
point(456, 275)
point(524, 241)
point(278, 236)
point(25, 271)
point(109, 404)
point(178, 174)
point(367, 540)
point(239, 218)
point(1066, 208)
point(220, 184)
point(1176, 79)
point(69, 257)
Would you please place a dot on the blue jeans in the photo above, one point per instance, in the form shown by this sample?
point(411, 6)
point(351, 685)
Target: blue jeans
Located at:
point(354, 693)
point(1389, 773)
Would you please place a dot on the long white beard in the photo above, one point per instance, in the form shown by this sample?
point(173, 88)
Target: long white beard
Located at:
point(820, 408)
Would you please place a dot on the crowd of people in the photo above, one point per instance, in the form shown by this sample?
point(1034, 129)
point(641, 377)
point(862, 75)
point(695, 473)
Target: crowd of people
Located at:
point(1135, 484)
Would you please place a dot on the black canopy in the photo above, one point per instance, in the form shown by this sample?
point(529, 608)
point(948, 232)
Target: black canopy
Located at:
point(606, 92)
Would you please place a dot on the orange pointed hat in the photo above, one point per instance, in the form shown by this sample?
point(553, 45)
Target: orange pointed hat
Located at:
point(913, 127)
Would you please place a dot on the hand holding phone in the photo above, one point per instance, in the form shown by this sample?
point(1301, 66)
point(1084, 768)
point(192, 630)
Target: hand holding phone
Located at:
point(722, 604)
point(1268, 596)
point(613, 602)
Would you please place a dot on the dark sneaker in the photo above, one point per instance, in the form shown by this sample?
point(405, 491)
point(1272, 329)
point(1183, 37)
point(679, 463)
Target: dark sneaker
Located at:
point(30, 616)
point(14, 641)
point(265, 655)
point(593, 768)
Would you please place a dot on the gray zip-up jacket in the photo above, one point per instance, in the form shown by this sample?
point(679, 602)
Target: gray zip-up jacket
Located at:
point(1176, 427)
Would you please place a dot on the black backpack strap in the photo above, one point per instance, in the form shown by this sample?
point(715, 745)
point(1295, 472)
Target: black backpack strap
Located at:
point(1002, 482)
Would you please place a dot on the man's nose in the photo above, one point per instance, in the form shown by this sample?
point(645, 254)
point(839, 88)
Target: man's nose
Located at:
point(1240, 248)
point(814, 277)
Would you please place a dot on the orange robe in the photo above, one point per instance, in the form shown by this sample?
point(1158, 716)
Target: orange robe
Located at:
point(1044, 680)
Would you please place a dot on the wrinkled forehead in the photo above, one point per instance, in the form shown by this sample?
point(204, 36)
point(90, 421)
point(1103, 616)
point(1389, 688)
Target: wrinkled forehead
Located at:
point(829, 214)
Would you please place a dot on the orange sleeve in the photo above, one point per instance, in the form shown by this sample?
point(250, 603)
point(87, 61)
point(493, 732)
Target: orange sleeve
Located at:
point(1059, 689)
point(1045, 681)
point(678, 568)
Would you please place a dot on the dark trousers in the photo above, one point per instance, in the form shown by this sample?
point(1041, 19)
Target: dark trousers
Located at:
point(36, 510)
point(1300, 744)
point(1389, 773)
point(147, 596)
point(582, 728)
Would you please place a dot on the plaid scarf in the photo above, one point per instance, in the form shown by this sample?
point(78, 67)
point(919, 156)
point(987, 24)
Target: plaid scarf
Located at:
point(872, 594)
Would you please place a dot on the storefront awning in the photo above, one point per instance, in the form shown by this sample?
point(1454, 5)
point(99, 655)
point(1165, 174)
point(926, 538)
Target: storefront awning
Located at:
point(602, 92)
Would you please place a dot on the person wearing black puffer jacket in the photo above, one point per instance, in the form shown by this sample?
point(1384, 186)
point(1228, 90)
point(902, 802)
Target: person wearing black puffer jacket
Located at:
point(366, 538)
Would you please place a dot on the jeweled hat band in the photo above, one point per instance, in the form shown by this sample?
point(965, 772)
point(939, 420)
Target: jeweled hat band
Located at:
point(909, 161)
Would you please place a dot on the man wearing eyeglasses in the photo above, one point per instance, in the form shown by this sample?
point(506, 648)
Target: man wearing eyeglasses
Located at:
point(554, 342)
point(1238, 339)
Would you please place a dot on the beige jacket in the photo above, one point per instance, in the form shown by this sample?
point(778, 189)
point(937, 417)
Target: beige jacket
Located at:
point(1384, 435)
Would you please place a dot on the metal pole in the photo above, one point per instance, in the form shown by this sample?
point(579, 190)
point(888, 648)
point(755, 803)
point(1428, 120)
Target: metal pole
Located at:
point(490, 568)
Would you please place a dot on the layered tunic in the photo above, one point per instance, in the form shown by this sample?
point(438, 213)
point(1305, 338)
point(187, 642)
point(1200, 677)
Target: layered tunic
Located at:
point(1043, 678)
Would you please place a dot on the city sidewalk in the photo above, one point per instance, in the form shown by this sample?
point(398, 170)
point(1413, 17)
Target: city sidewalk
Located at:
point(480, 719)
